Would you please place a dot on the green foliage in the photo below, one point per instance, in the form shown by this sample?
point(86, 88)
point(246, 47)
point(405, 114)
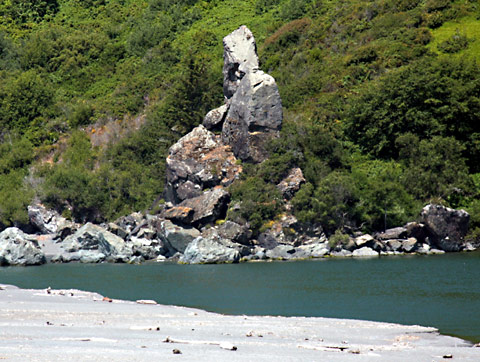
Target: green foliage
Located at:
point(338, 239)
point(16, 154)
point(15, 196)
point(435, 168)
point(23, 99)
point(260, 202)
point(429, 98)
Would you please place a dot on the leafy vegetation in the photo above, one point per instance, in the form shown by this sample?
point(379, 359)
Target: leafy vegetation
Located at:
point(381, 104)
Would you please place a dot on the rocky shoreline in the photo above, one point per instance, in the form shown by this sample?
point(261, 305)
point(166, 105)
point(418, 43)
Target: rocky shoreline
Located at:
point(137, 238)
point(51, 325)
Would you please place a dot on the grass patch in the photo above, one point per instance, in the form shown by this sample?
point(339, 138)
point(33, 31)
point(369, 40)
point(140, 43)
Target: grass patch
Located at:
point(467, 26)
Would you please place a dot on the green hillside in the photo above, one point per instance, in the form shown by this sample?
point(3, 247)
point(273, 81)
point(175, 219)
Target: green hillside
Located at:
point(381, 104)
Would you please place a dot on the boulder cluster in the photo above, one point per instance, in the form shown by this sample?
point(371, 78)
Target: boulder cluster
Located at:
point(136, 238)
point(191, 226)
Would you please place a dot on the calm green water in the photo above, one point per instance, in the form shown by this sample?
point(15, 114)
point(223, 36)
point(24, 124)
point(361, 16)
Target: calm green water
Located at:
point(441, 291)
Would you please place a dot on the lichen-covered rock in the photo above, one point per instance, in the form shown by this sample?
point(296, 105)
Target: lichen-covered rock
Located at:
point(208, 207)
point(255, 116)
point(239, 57)
point(448, 226)
point(179, 214)
point(214, 119)
point(284, 230)
point(18, 248)
point(291, 184)
point(198, 161)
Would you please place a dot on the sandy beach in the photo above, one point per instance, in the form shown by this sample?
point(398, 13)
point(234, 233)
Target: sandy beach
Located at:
point(54, 325)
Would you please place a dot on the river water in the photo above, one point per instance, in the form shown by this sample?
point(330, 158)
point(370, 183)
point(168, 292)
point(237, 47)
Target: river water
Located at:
point(441, 291)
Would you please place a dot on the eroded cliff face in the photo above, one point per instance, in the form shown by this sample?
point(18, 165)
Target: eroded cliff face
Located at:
point(251, 116)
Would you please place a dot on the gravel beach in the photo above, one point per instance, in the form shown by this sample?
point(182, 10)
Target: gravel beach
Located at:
point(54, 325)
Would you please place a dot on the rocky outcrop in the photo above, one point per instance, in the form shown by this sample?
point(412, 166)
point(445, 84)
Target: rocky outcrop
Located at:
point(447, 226)
point(254, 117)
point(239, 58)
point(214, 119)
point(291, 184)
point(18, 248)
point(198, 161)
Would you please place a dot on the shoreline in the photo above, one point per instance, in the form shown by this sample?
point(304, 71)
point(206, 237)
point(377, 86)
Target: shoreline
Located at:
point(57, 324)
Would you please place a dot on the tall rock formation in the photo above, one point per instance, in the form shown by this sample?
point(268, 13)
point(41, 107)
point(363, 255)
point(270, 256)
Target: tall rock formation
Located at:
point(254, 117)
point(254, 114)
point(203, 161)
point(240, 58)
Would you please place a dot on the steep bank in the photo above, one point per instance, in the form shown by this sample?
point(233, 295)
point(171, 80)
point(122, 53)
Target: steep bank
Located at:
point(55, 324)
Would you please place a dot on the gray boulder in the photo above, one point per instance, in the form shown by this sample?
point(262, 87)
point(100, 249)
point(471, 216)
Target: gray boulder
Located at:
point(18, 248)
point(267, 241)
point(395, 233)
point(281, 252)
point(147, 248)
point(208, 207)
point(43, 219)
point(314, 250)
point(240, 57)
point(365, 252)
point(128, 223)
point(341, 253)
point(448, 226)
point(255, 116)
point(393, 244)
point(236, 233)
point(198, 161)
point(214, 119)
point(49, 221)
point(409, 245)
point(93, 242)
point(179, 214)
point(210, 250)
point(176, 238)
point(363, 240)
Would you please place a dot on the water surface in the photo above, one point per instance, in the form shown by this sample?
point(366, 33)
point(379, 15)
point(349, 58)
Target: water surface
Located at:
point(441, 291)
